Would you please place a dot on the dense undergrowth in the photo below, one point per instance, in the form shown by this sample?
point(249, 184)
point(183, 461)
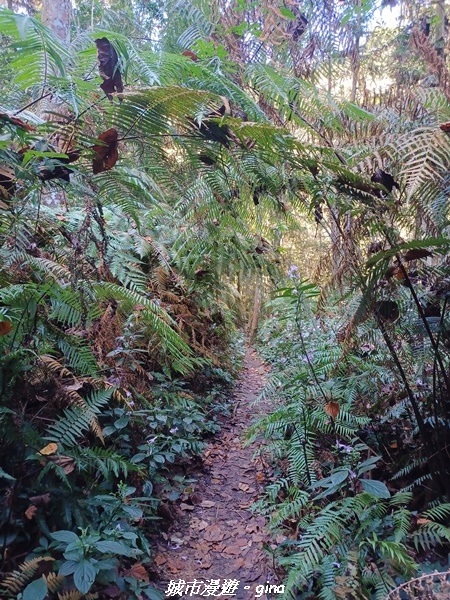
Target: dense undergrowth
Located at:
point(86, 464)
point(353, 493)
point(117, 321)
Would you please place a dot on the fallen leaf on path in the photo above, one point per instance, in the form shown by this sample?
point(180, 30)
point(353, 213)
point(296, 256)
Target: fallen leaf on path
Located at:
point(202, 548)
point(246, 550)
point(176, 540)
point(244, 487)
point(185, 506)
point(175, 565)
point(214, 534)
point(218, 547)
point(198, 525)
point(234, 550)
point(238, 564)
point(207, 504)
point(160, 560)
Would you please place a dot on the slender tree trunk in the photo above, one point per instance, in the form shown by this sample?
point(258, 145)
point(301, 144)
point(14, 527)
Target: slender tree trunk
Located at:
point(56, 15)
point(256, 309)
point(356, 60)
point(440, 33)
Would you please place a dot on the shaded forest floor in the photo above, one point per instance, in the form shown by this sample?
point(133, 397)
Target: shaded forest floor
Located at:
point(214, 535)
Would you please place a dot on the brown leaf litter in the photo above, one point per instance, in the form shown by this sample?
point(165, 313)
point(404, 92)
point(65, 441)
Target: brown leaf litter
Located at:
point(217, 538)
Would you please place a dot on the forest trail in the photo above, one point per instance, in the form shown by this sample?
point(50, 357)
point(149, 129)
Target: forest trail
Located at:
point(217, 537)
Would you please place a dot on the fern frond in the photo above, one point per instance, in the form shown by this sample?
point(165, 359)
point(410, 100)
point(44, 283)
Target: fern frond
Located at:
point(76, 420)
point(76, 595)
point(41, 51)
point(17, 580)
point(55, 366)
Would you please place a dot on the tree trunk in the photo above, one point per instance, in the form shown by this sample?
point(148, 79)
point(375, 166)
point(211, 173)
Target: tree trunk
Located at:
point(256, 309)
point(441, 29)
point(56, 16)
point(356, 59)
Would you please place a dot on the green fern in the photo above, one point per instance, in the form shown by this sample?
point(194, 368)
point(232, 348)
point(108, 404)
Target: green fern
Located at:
point(76, 420)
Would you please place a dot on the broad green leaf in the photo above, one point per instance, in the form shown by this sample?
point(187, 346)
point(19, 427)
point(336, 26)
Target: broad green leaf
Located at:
point(137, 458)
point(368, 464)
point(36, 590)
point(287, 13)
point(68, 567)
point(376, 488)
point(109, 430)
point(133, 511)
point(153, 593)
point(112, 547)
point(68, 537)
point(339, 477)
point(84, 576)
point(121, 423)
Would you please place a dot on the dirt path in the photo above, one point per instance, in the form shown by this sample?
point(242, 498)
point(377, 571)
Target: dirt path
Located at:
point(216, 537)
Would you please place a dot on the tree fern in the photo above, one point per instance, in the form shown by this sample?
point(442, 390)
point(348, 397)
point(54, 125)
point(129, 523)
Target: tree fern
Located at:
point(41, 52)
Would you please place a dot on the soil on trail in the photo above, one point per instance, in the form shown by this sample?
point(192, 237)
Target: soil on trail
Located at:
point(215, 537)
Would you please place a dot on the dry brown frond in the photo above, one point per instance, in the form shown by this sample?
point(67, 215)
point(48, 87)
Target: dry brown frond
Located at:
point(435, 586)
point(55, 366)
point(436, 62)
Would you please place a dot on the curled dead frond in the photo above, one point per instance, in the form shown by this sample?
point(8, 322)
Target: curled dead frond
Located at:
point(432, 585)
